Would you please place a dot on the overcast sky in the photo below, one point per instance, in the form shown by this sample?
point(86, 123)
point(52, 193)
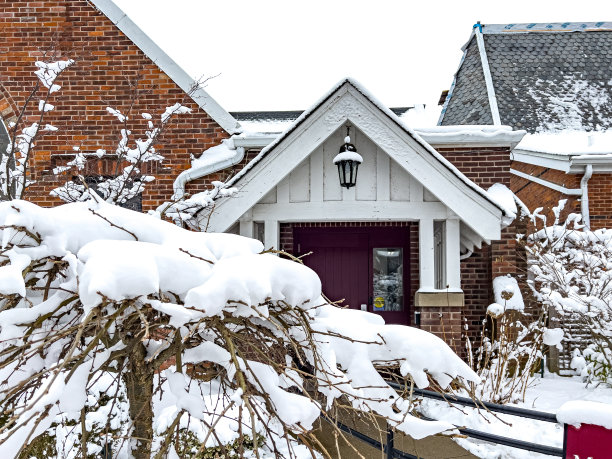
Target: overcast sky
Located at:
point(284, 55)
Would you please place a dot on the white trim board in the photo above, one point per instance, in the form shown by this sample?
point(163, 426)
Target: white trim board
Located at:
point(167, 65)
point(546, 183)
point(348, 104)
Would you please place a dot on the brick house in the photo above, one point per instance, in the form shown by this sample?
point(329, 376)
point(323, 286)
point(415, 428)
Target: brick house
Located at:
point(555, 82)
point(417, 239)
point(111, 54)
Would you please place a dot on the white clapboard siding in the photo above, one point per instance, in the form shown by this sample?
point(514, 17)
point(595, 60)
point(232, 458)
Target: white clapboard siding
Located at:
point(379, 179)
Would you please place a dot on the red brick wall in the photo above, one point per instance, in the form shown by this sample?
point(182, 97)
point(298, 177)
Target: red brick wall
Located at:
point(485, 166)
point(535, 195)
point(444, 322)
point(107, 64)
point(600, 200)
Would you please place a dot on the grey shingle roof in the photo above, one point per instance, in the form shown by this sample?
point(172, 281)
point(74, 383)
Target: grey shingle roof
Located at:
point(469, 103)
point(544, 81)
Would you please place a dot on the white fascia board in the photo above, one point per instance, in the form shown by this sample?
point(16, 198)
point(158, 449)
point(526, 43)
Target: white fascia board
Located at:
point(417, 158)
point(168, 65)
point(557, 162)
point(343, 211)
point(486, 70)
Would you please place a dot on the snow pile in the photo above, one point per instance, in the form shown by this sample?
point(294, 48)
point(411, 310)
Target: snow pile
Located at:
point(548, 394)
point(571, 143)
point(505, 198)
point(576, 412)
point(553, 337)
point(90, 291)
point(508, 293)
point(348, 156)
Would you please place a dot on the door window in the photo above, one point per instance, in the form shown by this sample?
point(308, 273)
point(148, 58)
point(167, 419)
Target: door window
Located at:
point(387, 279)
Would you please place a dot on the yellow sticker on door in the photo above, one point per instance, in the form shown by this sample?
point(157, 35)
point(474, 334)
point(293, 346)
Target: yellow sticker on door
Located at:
point(379, 303)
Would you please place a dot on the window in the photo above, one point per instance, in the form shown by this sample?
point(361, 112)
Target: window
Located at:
point(388, 274)
point(260, 232)
point(134, 204)
point(440, 254)
point(4, 137)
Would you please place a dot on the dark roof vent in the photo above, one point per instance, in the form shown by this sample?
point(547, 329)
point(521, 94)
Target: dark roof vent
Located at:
point(443, 97)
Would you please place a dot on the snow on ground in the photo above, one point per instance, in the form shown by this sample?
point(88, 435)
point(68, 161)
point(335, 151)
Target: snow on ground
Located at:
point(547, 394)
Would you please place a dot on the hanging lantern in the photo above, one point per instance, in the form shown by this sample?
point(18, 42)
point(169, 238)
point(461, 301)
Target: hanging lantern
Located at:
point(348, 161)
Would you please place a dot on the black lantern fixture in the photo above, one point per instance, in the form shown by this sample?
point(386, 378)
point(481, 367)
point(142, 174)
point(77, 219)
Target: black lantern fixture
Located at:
point(348, 161)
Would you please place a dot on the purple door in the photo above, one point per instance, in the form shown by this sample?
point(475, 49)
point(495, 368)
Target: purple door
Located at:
point(365, 266)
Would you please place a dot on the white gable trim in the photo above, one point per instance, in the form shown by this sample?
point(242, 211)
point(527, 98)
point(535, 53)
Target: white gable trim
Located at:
point(168, 65)
point(452, 188)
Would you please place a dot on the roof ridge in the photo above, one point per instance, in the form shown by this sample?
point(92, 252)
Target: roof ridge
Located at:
point(547, 27)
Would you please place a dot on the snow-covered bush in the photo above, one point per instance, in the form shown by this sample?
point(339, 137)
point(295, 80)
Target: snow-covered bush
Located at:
point(122, 332)
point(510, 351)
point(572, 273)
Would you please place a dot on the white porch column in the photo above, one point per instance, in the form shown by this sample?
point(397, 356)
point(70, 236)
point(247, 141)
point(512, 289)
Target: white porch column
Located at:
point(453, 250)
point(426, 254)
point(271, 234)
point(247, 228)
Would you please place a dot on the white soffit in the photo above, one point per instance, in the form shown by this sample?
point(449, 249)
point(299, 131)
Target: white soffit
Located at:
point(349, 102)
point(167, 65)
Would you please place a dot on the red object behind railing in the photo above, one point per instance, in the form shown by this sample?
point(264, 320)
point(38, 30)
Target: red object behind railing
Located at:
point(588, 441)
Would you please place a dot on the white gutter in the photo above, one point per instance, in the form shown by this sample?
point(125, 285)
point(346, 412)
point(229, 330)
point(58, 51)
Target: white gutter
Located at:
point(254, 141)
point(487, 76)
point(584, 203)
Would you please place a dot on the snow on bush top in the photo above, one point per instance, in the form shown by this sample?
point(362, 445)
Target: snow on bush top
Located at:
point(508, 293)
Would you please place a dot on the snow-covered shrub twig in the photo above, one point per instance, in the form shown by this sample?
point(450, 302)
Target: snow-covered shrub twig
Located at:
point(122, 332)
point(23, 136)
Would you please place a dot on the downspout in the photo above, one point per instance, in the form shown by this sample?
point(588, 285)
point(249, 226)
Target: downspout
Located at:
point(584, 202)
point(201, 171)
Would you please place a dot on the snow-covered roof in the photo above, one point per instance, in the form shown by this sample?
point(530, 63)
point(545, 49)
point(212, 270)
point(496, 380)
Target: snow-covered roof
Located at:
point(420, 118)
point(568, 143)
point(276, 122)
point(545, 77)
point(168, 65)
point(349, 81)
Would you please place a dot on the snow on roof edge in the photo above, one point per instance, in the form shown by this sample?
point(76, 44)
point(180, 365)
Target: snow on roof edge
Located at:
point(167, 65)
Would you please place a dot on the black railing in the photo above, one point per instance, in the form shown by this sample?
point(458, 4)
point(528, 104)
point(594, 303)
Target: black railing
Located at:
point(388, 448)
point(392, 453)
point(494, 407)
